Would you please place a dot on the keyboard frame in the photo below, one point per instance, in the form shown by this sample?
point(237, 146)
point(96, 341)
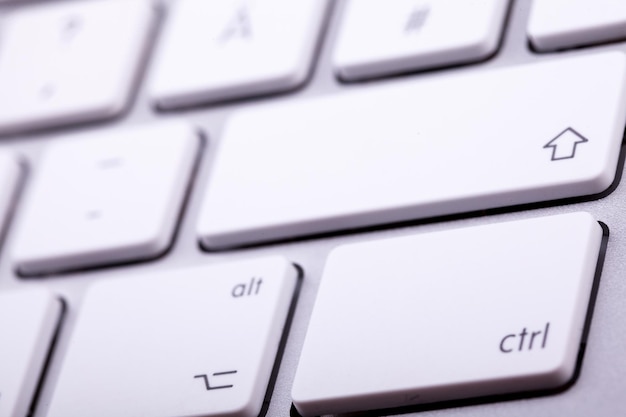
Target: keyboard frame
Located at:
point(599, 389)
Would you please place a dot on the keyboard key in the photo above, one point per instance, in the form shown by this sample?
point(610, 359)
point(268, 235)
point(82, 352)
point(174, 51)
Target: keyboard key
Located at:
point(77, 69)
point(464, 313)
point(194, 342)
point(560, 24)
point(106, 197)
point(417, 149)
point(380, 38)
point(217, 50)
point(28, 322)
point(10, 173)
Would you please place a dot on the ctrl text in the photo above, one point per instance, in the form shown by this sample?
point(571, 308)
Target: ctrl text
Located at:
point(525, 340)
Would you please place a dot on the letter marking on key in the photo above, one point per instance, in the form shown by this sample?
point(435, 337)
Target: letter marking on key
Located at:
point(182, 319)
point(243, 289)
point(471, 285)
point(505, 345)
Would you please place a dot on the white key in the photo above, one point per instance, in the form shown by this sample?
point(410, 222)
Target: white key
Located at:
point(194, 342)
point(443, 316)
point(559, 24)
point(216, 50)
point(417, 149)
point(81, 63)
point(28, 323)
point(380, 38)
point(10, 173)
point(106, 197)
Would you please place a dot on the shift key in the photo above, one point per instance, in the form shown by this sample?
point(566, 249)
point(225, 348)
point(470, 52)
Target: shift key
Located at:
point(416, 148)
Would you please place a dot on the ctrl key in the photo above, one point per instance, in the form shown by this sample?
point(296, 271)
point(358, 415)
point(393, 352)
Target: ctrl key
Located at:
point(473, 312)
point(29, 320)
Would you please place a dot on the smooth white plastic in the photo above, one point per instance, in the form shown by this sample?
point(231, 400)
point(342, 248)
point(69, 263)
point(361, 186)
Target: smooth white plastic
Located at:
point(417, 148)
point(195, 342)
point(70, 62)
point(442, 316)
point(10, 173)
point(216, 50)
point(560, 24)
point(28, 323)
point(105, 197)
point(386, 37)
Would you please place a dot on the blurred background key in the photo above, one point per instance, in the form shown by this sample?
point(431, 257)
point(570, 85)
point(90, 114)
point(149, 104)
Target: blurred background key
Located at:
point(382, 38)
point(63, 63)
point(217, 50)
point(560, 24)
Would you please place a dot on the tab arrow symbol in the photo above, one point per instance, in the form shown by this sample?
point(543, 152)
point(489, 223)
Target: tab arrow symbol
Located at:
point(564, 145)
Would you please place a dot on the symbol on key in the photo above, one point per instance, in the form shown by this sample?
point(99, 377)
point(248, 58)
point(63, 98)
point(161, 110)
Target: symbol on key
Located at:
point(411, 398)
point(93, 214)
point(417, 19)
point(70, 28)
point(112, 162)
point(206, 380)
point(47, 91)
point(564, 145)
point(238, 26)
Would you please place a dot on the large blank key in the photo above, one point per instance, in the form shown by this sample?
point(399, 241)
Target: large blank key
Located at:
point(106, 197)
point(81, 61)
point(416, 149)
point(28, 322)
point(195, 342)
point(470, 312)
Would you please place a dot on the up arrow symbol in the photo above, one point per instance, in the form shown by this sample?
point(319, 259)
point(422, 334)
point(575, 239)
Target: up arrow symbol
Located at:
point(564, 145)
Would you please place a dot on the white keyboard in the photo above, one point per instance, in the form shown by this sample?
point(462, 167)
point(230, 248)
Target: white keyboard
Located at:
point(307, 208)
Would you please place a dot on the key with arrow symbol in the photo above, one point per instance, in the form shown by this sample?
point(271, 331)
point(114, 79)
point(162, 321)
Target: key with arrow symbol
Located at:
point(565, 143)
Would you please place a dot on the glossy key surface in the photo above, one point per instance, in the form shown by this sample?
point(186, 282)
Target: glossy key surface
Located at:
point(443, 316)
point(28, 322)
point(10, 174)
point(106, 197)
point(61, 63)
point(384, 38)
point(560, 24)
point(215, 50)
point(190, 342)
point(417, 149)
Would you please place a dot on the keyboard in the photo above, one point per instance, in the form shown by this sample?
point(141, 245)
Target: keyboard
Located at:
point(276, 208)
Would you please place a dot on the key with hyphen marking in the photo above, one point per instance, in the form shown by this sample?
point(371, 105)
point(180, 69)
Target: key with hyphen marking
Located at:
point(104, 197)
